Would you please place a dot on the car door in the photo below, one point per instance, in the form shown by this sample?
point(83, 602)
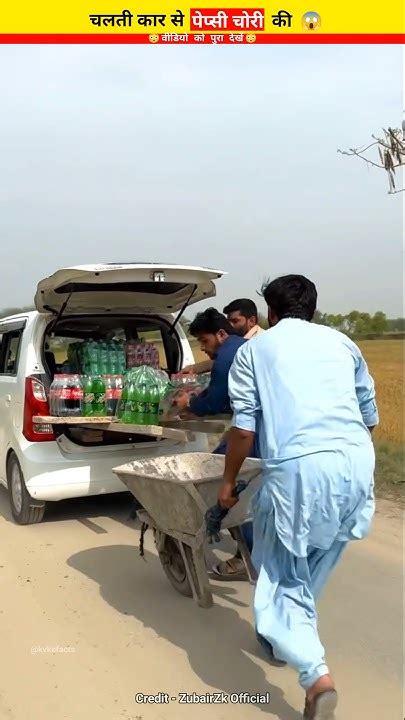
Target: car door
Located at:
point(11, 389)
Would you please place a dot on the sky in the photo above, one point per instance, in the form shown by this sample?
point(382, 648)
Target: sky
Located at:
point(218, 156)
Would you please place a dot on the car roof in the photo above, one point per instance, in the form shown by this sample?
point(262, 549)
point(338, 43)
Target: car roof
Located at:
point(19, 316)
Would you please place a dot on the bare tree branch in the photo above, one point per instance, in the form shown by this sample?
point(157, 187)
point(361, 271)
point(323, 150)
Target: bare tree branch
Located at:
point(353, 152)
point(391, 151)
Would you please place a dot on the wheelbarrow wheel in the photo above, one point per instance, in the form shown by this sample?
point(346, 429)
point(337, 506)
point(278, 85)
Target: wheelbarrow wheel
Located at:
point(174, 567)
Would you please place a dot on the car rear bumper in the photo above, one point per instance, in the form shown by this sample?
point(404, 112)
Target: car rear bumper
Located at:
point(51, 474)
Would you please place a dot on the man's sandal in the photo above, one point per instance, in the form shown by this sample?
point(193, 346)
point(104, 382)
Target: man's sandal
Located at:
point(233, 569)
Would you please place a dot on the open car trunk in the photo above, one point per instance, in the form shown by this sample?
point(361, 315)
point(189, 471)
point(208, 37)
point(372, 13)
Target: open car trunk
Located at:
point(142, 288)
point(118, 302)
point(74, 329)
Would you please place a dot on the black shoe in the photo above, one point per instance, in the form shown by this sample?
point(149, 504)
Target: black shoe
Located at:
point(268, 648)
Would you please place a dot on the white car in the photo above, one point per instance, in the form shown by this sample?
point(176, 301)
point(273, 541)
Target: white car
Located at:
point(39, 463)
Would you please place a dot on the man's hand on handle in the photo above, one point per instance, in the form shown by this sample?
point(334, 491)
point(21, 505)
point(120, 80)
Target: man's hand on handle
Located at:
point(239, 446)
point(226, 498)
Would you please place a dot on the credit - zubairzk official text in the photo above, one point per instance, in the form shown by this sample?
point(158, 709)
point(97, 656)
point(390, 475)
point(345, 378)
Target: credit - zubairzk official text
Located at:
point(217, 698)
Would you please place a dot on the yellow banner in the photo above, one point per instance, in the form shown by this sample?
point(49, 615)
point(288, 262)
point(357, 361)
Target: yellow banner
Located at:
point(212, 16)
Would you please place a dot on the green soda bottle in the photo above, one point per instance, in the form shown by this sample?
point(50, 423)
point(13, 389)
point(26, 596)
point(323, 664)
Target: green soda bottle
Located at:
point(129, 409)
point(156, 395)
point(152, 405)
point(99, 400)
point(147, 415)
point(139, 414)
point(122, 402)
point(92, 354)
point(103, 358)
point(88, 396)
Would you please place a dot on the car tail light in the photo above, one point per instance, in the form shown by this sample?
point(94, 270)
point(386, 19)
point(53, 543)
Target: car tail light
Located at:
point(36, 403)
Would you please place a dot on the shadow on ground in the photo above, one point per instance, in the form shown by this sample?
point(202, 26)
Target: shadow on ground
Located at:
point(216, 640)
point(115, 505)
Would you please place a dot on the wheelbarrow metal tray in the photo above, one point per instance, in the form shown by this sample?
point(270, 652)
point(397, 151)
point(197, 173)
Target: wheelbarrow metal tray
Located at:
point(176, 490)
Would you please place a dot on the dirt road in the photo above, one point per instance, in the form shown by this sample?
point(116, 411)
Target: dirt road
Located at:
point(85, 624)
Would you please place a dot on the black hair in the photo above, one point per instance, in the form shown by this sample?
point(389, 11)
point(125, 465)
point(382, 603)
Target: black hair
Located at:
point(291, 296)
point(247, 308)
point(210, 321)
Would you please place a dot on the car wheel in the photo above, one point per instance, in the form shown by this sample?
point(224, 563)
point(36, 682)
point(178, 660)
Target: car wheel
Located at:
point(25, 510)
point(173, 566)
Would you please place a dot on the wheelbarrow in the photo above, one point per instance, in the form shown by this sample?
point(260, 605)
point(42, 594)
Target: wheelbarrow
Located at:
point(175, 492)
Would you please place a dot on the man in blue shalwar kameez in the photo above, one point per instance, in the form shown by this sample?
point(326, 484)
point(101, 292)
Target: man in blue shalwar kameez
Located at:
point(305, 391)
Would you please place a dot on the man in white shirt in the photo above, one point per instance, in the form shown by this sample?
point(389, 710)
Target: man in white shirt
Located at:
point(304, 390)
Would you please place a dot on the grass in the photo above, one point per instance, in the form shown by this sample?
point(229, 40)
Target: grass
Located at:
point(389, 472)
point(385, 359)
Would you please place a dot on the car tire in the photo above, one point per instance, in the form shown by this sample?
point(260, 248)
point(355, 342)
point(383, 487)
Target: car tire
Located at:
point(24, 509)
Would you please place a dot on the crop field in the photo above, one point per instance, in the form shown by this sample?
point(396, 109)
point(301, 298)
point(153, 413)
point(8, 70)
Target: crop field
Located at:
point(385, 359)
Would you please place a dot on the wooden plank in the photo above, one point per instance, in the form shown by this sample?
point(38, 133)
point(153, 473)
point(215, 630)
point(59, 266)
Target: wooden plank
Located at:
point(197, 426)
point(52, 420)
point(109, 424)
point(202, 426)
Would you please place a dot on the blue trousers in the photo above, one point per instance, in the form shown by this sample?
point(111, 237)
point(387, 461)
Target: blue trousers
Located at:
point(304, 515)
point(285, 611)
point(247, 528)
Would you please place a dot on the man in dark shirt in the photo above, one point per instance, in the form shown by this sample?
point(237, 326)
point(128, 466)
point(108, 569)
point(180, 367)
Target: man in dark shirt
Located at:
point(218, 340)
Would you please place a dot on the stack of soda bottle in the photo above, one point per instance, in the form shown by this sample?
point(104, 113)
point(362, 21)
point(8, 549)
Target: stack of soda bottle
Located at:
point(66, 396)
point(103, 367)
point(98, 384)
point(143, 389)
point(103, 358)
point(141, 353)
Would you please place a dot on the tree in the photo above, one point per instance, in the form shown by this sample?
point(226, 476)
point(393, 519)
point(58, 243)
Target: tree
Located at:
point(396, 325)
point(263, 321)
point(379, 324)
point(362, 325)
point(391, 154)
point(357, 323)
point(319, 318)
